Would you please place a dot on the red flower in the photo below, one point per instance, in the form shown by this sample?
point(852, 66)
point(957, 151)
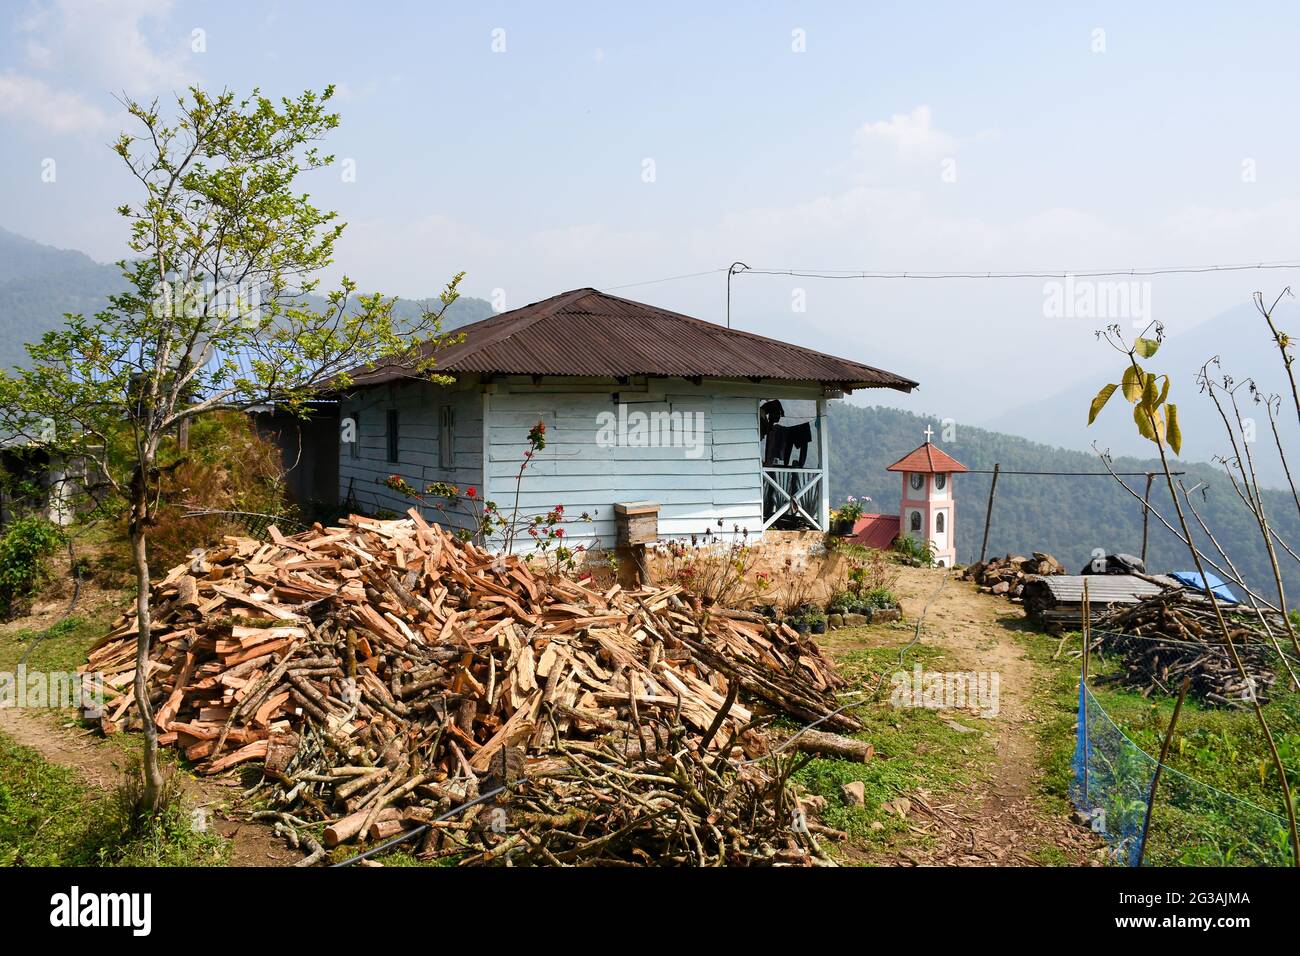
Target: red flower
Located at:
point(559, 532)
point(471, 492)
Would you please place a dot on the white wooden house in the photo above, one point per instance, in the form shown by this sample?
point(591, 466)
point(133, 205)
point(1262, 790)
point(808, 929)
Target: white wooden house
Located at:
point(639, 403)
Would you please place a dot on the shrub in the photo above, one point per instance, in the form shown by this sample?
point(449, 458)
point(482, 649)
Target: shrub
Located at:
point(810, 615)
point(913, 550)
point(229, 467)
point(719, 573)
point(866, 581)
point(869, 569)
point(25, 549)
point(880, 598)
point(848, 602)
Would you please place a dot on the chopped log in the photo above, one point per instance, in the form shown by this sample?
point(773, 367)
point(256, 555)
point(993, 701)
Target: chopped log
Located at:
point(832, 745)
point(387, 671)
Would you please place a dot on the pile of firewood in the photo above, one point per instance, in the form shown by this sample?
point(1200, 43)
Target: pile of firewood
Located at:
point(384, 674)
point(1006, 575)
point(1174, 635)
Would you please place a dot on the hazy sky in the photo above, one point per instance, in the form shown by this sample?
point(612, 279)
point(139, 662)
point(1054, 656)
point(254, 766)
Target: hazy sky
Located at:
point(543, 147)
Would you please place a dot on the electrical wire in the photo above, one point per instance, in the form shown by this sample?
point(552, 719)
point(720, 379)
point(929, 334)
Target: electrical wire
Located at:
point(1068, 474)
point(1024, 274)
point(818, 273)
point(688, 275)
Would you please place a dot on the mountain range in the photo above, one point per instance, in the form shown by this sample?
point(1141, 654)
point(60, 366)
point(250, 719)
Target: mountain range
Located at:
point(1240, 341)
point(39, 284)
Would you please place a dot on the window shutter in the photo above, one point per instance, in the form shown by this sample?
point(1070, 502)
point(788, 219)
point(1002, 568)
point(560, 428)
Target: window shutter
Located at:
point(447, 437)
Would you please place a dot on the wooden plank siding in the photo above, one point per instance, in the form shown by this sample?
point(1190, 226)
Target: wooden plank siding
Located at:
point(695, 489)
point(694, 486)
point(417, 405)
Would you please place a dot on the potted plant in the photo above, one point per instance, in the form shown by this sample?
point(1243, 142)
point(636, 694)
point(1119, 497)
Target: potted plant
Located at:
point(846, 516)
point(807, 618)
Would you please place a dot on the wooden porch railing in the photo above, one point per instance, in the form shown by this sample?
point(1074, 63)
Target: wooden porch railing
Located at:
point(793, 491)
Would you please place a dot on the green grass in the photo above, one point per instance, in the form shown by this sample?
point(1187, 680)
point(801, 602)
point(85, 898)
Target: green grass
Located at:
point(915, 749)
point(61, 647)
point(48, 818)
point(1223, 749)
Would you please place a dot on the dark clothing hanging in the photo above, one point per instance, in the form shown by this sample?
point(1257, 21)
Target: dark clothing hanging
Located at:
point(785, 446)
point(798, 438)
point(781, 443)
point(769, 414)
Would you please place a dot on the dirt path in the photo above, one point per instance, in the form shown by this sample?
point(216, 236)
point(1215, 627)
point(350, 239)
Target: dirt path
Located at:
point(1001, 820)
point(60, 740)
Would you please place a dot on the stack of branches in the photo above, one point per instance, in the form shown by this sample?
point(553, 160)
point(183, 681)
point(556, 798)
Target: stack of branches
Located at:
point(1175, 634)
point(385, 673)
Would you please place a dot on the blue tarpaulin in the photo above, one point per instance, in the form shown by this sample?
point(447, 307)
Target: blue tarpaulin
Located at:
point(1192, 579)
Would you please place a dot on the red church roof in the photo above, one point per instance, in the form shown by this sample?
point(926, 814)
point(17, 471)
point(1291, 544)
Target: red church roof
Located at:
point(875, 531)
point(927, 459)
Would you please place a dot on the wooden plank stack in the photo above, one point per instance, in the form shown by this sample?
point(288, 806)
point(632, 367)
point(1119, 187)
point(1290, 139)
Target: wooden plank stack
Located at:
point(382, 673)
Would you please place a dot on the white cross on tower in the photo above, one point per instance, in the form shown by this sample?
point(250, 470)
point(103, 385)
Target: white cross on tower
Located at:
point(929, 433)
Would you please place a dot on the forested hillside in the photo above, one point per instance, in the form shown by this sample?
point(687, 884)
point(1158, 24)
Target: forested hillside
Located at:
point(1068, 516)
point(39, 284)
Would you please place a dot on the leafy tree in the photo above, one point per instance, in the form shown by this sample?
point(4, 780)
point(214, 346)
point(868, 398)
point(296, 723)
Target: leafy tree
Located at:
point(215, 316)
point(1156, 420)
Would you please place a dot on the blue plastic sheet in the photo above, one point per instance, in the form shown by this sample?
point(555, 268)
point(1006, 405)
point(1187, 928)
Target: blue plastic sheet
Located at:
point(1192, 579)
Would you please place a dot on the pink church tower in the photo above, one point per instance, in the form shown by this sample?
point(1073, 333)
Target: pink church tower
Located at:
point(927, 513)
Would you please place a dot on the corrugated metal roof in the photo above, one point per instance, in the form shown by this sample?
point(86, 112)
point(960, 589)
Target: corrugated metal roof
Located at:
point(928, 459)
point(590, 333)
point(876, 531)
point(1102, 588)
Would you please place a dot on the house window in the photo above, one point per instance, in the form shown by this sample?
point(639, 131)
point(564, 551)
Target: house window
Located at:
point(940, 481)
point(938, 523)
point(447, 437)
point(918, 481)
point(916, 521)
point(394, 447)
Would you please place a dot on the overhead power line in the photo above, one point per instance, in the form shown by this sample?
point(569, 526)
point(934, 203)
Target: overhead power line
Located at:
point(1132, 272)
point(688, 275)
point(1119, 272)
point(1069, 474)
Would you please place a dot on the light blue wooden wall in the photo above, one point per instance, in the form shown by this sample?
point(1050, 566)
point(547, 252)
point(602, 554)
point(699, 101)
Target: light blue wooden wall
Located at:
point(580, 472)
point(417, 404)
point(576, 469)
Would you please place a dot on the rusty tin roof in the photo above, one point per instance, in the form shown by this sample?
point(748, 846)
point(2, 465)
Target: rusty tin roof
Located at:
point(591, 333)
